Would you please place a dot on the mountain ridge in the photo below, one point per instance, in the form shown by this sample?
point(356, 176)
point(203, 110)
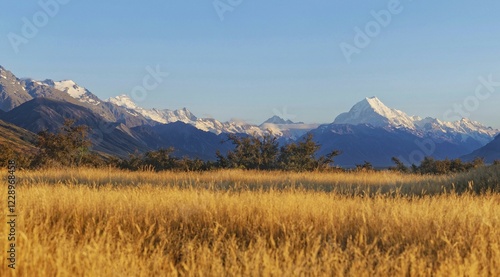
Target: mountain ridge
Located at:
point(490, 152)
point(363, 132)
point(372, 111)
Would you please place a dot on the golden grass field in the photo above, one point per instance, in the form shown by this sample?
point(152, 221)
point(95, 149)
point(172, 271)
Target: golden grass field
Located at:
point(89, 222)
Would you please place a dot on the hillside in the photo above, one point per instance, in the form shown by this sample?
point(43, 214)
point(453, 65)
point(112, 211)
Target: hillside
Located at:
point(15, 138)
point(490, 152)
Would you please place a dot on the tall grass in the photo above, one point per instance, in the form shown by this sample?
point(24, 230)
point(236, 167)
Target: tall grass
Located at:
point(112, 223)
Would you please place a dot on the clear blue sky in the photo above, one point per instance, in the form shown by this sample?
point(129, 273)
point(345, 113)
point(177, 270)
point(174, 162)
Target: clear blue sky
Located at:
point(266, 56)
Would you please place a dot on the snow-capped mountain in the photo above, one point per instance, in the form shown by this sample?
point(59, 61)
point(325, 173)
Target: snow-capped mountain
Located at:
point(373, 132)
point(74, 90)
point(464, 128)
point(184, 115)
point(160, 116)
point(370, 131)
point(372, 111)
point(69, 91)
point(375, 113)
point(12, 92)
point(230, 127)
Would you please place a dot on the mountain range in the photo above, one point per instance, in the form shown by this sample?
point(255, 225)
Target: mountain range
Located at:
point(490, 152)
point(369, 131)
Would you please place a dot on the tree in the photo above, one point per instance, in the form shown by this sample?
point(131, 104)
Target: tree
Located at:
point(269, 150)
point(367, 166)
point(301, 156)
point(457, 165)
point(160, 159)
point(251, 153)
point(265, 154)
point(400, 166)
point(65, 148)
point(478, 162)
point(427, 166)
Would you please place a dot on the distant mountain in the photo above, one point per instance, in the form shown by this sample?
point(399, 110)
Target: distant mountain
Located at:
point(185, 116)
point(187, 140)
point(373, 132)
point(71, 92)
point(160, 116)
point(277, 120)
point(116, 138)
point(122, 109)
point(15, 91)
point(364, 142)
point(375, 113)
point(47, 114)
point(370, 131)
point(72, 89)
point(490, 152)
point(287, 130)
point(12, 91)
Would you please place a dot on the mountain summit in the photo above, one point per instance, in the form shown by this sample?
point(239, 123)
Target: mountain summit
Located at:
point(372, 111)
point(165, 116)
point(277, 120)
point(161, 116)
point(74, 90)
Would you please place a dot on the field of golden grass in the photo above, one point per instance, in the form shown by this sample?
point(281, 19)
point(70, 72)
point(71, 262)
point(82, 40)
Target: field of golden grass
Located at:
point(89, 222)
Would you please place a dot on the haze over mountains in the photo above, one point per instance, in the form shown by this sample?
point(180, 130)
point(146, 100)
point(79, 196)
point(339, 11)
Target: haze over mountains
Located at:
point(370, 131)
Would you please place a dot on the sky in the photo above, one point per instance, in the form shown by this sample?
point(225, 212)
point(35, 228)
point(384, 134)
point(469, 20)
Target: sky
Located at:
point(239, 59)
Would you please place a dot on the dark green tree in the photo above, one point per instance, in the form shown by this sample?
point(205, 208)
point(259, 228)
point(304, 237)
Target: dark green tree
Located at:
point(301, 156)
point(400, 166)
point(65, 148)
point(251, 153)
point(160, 159)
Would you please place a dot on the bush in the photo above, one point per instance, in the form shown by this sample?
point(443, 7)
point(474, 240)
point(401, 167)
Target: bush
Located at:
point(431, 166)
point(265, 154)
point(68, 147)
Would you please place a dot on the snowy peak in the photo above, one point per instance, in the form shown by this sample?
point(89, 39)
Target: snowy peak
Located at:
point(372, 111)
point(169, 116)
point(165, 116)
point(375, 104)
point(157, 115)
point(71, 88)
point(123, 101)
point(74, 90)
point(7, 75)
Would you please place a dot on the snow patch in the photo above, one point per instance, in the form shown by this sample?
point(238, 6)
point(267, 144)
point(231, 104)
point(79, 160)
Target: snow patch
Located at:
point(71, 88)
point(123, 101)
point(184, 115)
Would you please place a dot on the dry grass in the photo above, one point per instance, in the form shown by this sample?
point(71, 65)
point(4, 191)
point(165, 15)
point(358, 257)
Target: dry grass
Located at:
point(113, 223)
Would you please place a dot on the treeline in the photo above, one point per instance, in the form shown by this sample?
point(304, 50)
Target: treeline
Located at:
point(70, 147)
point(249, 153)
point(432, 166)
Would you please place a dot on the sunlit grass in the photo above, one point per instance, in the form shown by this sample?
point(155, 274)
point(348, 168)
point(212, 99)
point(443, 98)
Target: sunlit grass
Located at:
point(91, 222)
